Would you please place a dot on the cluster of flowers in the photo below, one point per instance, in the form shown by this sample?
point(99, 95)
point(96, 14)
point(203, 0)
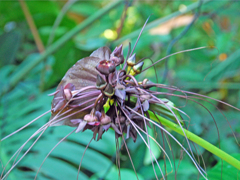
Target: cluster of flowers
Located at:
point(95, 95)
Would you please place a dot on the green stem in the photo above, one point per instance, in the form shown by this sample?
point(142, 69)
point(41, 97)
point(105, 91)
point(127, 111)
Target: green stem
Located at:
point(194, 138)
point(21, 72)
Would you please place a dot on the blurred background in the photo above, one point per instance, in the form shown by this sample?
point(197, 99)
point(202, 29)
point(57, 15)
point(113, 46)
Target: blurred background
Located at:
point(41, 40)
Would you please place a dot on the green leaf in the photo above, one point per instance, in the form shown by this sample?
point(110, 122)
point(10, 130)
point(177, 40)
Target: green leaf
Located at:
point(226, 171)
point(155, 149)
point(113, 174)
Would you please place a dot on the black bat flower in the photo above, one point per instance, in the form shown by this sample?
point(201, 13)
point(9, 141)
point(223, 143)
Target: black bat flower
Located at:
point(96, 94)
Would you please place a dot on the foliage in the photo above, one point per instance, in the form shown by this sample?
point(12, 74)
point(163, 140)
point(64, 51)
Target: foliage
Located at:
point(212, 71)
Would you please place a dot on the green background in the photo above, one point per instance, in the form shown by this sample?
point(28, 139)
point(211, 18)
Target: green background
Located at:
point(25, 81)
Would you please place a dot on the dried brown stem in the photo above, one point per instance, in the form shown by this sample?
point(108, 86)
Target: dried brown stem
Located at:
point(32, 26)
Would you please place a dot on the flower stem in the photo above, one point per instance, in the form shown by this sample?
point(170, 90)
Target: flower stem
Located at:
point(194, 138)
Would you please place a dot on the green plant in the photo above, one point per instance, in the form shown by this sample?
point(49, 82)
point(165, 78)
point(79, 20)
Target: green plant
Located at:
point(67, 160)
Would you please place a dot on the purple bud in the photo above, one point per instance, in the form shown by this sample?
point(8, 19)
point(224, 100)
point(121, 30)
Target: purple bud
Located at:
point(68, 94)
point(100, 83)
point(118, 51)
point(109, 91)
point(105, 120)
point(117, 55)
point(90, 118)
point(106, 67)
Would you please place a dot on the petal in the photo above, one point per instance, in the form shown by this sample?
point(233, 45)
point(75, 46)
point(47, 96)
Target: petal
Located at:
point(81, 126)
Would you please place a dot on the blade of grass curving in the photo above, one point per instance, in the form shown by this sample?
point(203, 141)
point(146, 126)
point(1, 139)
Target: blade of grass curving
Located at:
point(20, 73)
point(152, 116)
point(58, 20)
point(178, 37)
point(191, 136)
point(194, 97)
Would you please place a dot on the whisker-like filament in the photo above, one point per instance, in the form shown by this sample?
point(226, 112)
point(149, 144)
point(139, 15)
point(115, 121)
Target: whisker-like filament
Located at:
point(19, 150)
point(195, 163)
point(80, 164)
point(188, 92)
point(194, 97)
point(125, 144)
point(178, 121)
point(25, 125)
point(150, 151)
point(118, 158)
point(187, 50)
point(52, 151)
point(24, 154)
point(96, 95)
point(143, 140)
point(139, 35)
point(134, 125)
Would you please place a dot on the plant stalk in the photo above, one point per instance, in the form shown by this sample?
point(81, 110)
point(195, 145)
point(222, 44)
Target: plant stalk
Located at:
point(194, 138)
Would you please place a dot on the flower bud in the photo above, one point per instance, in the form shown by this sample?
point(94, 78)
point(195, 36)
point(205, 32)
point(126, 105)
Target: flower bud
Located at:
point(109, 91)
point(131, 61)
point(106, 67)
point(118, 51)
point(68, 94)
point(90, 118)
point(105, 119)
point(100, 83)
point(147, 84)
point(138, 67)
point(117, 55)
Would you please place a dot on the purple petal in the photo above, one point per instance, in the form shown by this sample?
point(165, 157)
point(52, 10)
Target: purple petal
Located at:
point(106, 127)
point(145, 105)
point(81, 126)
point(76, 121)
point(120, 93)
point(91, 123)
point(70, 86)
